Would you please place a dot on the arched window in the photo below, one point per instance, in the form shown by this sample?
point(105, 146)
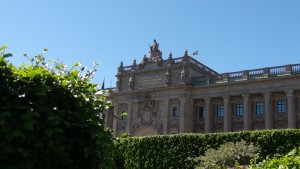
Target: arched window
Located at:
point(175, 111)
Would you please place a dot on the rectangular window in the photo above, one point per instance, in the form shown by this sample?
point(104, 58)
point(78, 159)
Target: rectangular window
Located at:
point(281, 106)
point(239, 111)
point(259, 108)
point(220, 111)
point(201, 112)
point(175, 111)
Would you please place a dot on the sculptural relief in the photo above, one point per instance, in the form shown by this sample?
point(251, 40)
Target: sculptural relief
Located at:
point(183, 76)
point(131, 82)
point(168, 77)
point(155, 53)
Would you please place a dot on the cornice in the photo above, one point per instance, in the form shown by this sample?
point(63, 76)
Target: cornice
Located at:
point(252, 81)
point(153, 90)
point(190, 88)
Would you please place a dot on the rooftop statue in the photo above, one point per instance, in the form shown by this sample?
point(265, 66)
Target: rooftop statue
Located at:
point(155, 53)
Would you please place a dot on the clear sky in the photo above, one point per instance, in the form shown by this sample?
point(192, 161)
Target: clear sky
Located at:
point(231, 35)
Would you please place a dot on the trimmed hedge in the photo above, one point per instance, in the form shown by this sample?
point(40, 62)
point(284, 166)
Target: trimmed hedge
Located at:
point(174, 151)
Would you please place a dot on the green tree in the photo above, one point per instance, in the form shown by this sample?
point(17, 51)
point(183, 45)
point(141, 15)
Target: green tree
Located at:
point(49, 116)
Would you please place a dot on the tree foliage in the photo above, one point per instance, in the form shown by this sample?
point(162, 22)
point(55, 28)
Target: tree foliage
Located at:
point(227, 155)
point(49, 116)
point(289, 160)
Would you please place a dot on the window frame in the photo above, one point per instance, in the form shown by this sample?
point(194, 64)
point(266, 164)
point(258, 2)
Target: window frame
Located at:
point(281, 106)
point(239, 109)
point(201, 112)
point(123, 117)
point(259, 108)
point(175, 111)
point(220, 111)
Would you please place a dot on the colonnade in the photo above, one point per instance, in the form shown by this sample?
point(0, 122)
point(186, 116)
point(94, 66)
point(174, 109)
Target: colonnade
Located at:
point(268, 116)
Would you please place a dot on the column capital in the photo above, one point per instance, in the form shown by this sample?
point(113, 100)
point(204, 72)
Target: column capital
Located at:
point(267, 94)
point(246, 95)
point(115, 104)
point(182, 99)
point(207, 99)
point(226, 98)
point(289, 92)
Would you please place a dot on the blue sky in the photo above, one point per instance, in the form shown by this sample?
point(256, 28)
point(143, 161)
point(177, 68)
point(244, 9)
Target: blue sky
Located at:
point(231, 35)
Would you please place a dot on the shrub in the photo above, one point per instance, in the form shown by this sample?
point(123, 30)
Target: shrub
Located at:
point(227, 155)
point(290, 160)
point(48, 117)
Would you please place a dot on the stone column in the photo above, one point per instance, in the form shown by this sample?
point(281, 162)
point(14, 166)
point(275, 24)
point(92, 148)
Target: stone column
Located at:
point(105, 113)
point(246, 112)
point(129, 115)
point(115, 121)
point(227, 114)
point(268, 115)
point(182, 115)
point(189, 115)
point(165, 115)
point(207, 115)
point(290, 109)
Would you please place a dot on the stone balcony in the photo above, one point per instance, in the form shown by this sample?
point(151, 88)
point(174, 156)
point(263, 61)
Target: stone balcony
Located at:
point(244, 75)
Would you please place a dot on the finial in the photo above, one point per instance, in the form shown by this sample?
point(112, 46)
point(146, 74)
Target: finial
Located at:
point(170, 55)
point(186, 52)
point(121, 64)
point(134, 62)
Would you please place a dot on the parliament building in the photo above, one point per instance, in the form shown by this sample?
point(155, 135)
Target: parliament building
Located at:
point(182, 95)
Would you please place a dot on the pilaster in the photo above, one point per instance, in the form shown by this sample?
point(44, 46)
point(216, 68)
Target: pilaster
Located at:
point(182, 115)
point(207, 115)
point(165, 114)
point(129, 115)
point(227, 116)
point(268, 115)
point(189, 115)
point(247, 117)
point(290, 108)
point(116, 105)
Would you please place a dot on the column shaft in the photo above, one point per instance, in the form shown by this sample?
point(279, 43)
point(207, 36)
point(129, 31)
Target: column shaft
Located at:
point(268, 115)
point(227, 116)
point(129, 115)
point(114, 119)
point(165, 115)
point(290, 109)
point(182, 115)
point(246, 112)
point(207, 116)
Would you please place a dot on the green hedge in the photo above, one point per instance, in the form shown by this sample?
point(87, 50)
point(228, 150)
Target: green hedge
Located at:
point(174, 151)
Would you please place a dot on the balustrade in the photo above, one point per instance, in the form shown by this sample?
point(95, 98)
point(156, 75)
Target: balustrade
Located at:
point(277, 70)
point(127, 68)
point(236, 75)
point(256, 72)
point(296, 68)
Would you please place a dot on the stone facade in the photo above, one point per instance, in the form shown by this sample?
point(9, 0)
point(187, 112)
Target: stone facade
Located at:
point(182, 95)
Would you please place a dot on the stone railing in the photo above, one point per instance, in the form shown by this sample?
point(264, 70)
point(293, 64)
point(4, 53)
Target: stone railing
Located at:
point(177, 60)
point(252, 74)
point(203, 67)
point(127, 68)
point(112, 89)
point(296, 68)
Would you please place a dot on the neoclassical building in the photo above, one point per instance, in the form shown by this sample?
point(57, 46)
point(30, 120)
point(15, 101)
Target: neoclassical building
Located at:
point(182, 95)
